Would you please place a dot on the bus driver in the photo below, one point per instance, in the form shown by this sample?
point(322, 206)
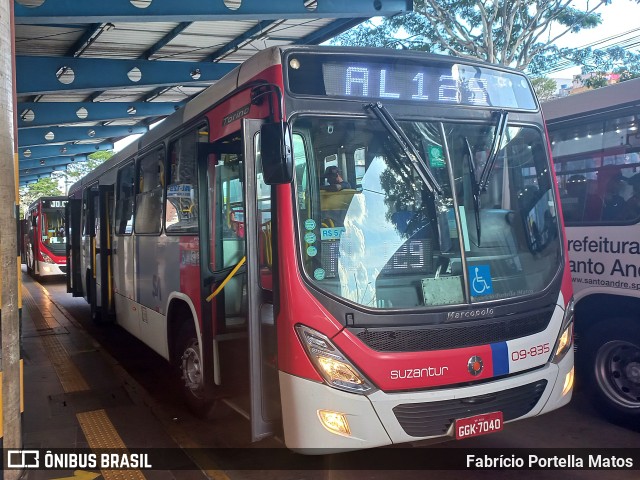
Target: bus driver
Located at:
point(334, 179)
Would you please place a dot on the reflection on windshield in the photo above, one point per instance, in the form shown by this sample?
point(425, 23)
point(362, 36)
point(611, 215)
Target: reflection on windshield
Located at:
point(385, 241)
point(53, 231)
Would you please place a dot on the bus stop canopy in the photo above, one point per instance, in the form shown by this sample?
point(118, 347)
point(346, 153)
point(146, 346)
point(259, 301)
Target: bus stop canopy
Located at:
point(91, 72)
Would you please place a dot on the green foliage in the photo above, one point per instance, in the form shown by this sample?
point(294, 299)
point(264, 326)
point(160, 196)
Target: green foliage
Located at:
point(50, 186)
point(45, 187)
point(596, 81)
point(517, 33)
point(544, 87)
point(75, 171)
point(627, 74)
point(614, 59)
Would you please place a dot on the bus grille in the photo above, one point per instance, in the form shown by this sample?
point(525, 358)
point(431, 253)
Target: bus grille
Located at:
point(434, 418)
point(457, 335)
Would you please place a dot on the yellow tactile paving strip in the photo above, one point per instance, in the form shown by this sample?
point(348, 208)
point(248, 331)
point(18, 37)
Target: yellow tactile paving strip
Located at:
point(68, 374)
point(42, 319)
point(101, 434)
point(96, 426)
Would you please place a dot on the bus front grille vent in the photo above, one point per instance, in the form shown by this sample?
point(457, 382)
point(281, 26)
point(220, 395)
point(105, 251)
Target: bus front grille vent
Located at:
point(430, 419)
point(449, 336)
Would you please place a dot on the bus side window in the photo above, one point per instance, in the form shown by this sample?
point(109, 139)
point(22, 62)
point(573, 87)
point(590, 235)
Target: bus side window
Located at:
point(181, 215)
point(149, 200)
point(301, 174)
point(265, 240)
point(125, 200)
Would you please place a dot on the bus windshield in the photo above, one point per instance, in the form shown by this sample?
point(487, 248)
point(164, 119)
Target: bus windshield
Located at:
point(53, 230)
point(373, 233)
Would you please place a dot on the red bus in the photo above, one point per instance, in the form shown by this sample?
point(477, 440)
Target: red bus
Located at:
point(44, 243)
point(352, 247)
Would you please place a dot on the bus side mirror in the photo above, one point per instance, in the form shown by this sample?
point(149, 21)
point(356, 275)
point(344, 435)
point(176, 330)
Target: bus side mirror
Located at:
point(276, 154)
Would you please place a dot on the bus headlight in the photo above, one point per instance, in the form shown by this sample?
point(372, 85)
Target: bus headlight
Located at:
point(334, 367)
point(46, 258)
point(565, 339)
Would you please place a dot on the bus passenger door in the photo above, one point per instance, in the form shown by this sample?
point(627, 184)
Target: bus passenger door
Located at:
point(73, 215)
point(104, 276)
point(263, 368)
point(99, 223)
point(237, 287)
point(91, 246)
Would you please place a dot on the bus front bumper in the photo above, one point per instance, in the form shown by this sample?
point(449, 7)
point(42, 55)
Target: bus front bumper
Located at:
point(391, 418)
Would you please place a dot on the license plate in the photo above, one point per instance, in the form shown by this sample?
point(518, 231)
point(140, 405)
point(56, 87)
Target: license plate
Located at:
point(478, 425)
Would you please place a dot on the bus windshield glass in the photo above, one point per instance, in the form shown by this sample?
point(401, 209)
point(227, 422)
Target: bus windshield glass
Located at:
point(53, 230)
point(372, 233)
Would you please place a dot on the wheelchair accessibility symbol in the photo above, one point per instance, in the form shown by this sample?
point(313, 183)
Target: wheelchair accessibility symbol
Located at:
point(480, 280)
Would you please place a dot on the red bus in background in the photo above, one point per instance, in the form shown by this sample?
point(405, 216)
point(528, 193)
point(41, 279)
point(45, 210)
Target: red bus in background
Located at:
point(352, 247)
point(44, 245)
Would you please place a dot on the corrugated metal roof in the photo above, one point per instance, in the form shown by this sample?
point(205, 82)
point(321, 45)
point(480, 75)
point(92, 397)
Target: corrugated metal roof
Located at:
point(224, 40)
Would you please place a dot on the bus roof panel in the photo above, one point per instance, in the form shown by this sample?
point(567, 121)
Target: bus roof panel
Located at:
point(613, 97)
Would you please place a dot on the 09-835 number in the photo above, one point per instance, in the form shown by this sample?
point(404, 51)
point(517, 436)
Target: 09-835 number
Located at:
point(531, 352)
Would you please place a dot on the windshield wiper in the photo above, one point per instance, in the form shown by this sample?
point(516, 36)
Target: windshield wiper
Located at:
point(501, 128)
point(475, 188)
point(407, 147)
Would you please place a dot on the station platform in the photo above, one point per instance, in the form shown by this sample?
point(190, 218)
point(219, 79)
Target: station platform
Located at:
point(78, 398)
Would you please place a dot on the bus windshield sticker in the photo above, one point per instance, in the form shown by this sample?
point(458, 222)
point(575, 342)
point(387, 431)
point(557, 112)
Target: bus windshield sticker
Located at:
point(480, 280)
point(318, 274)
point(443, 290)
point(331, 233)
point(310, 237)
point(436, 156)
point(312, 251)
point(310, 224)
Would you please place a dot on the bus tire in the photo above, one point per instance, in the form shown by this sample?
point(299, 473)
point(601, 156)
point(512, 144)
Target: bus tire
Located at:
point(190, 367)
point(611, 369)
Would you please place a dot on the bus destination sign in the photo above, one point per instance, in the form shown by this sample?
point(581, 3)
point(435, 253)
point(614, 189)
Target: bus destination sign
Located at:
point(454, 84)
point(54, 203)
point(432, 81)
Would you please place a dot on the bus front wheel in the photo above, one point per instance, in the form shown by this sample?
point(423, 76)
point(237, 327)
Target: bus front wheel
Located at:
point(612, 354)
point(191, 375)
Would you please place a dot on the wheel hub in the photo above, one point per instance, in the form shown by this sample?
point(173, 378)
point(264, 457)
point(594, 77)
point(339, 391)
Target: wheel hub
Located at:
point(618, 372)
point(191, 369)
point(633, 372)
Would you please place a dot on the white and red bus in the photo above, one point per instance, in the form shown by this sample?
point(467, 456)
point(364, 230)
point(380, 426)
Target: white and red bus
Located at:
point(44, 246)
point(425, 294)
point(596, 150)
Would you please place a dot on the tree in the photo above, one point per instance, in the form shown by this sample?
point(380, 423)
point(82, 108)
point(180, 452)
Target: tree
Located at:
point(75, 171)
point(50, 186)
point(544, 87)
point(614, 59)
point(44, 187)
point(597, 80)
point(516, 33)
point(627, 74)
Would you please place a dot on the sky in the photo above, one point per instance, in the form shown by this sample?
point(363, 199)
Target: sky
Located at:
point(619, 17)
